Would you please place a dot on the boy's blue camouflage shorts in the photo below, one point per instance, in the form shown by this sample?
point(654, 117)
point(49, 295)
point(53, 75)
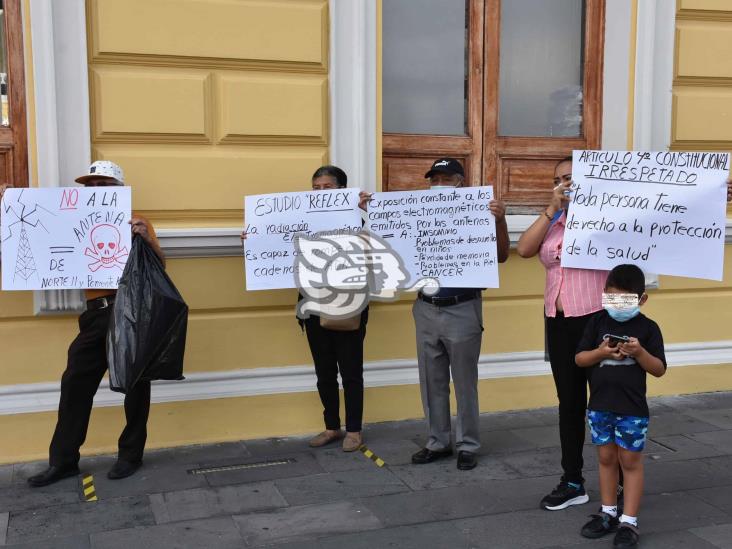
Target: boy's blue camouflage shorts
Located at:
point(628, 432)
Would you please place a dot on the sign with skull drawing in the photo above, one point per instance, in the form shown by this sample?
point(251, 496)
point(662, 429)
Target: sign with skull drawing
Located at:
point(64, 238)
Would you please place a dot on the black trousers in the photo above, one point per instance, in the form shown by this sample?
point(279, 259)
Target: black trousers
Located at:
point(335, 352)
point(563, 337)
point(87, 363)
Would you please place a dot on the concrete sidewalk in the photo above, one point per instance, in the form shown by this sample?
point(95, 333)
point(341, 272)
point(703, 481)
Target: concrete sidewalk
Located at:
point(280, 493)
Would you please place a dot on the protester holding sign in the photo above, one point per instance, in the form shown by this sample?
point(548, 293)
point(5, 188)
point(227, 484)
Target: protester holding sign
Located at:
point(663, 211)
point(87, 364)
point(336, 346)
point(449, 326)
point(571, 297)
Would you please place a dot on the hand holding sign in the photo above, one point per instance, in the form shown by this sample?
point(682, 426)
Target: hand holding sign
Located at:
point(663, 211)
point(273, 220)
point(448, 234)
point(64, 238)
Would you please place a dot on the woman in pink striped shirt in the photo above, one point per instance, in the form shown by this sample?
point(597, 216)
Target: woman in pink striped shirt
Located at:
point(571, 297)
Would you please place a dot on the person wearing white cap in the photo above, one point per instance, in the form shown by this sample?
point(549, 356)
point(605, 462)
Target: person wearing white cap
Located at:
point(87, 363)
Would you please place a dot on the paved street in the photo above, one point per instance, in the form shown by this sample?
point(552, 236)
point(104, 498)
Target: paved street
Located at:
point(280, 493)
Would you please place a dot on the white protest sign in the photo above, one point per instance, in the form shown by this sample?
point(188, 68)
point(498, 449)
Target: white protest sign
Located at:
point(272, 221)
point(64, 237)
point(447, 234)
point(662, 211)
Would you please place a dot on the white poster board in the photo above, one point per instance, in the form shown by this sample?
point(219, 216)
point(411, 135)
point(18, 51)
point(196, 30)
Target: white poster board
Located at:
point(64, 237)
point(272, 221)
point(662, 211)
point(446, 234)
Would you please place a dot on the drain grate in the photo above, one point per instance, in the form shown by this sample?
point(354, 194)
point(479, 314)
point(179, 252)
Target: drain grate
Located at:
point(240, 466)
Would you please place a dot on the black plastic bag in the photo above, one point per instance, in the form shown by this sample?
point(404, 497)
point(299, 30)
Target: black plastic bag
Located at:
point(147, 332)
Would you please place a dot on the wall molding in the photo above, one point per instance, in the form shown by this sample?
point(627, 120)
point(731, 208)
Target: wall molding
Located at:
point(208, 63)
point(720, 16)
point(703, 81)
point(701, 145)
point(43, 397)
point(226, 242)
point(241, 139)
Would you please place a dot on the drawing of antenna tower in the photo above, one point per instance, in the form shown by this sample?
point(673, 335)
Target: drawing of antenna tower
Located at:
point(25, 216)
point(25, 266)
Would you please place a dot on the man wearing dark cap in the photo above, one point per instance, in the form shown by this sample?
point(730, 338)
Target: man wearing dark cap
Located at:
point(449, 327)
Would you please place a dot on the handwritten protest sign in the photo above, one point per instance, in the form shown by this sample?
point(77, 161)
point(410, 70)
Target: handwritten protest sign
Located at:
point(663, 211)
point(63, 238)
point(447, 234)
point(273, 220)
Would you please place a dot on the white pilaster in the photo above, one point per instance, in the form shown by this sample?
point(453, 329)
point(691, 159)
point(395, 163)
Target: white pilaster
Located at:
point(353, 90)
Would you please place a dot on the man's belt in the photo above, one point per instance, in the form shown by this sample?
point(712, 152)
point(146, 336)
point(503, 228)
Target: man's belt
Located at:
point(450, 300)
point(100, 303)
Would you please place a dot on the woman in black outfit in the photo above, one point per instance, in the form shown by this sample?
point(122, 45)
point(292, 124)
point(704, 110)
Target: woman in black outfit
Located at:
point(337, 351)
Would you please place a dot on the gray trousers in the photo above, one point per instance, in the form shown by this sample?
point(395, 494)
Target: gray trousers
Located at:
point(448, 340)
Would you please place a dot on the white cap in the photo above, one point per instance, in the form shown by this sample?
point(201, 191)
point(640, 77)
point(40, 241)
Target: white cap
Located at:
point(103, 168)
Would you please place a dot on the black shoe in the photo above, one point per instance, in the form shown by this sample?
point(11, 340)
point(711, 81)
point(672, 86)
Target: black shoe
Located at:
point(466, 461)
point(599, 526)
point(53, 474)
point(123, 469)
point(627, 537)
point(428, 456)
point(563, 496)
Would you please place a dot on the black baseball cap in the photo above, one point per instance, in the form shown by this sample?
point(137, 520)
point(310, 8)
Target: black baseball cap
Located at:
point(449, 166)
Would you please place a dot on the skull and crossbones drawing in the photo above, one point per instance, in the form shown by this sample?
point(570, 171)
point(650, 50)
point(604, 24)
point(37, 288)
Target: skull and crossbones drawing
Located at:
point(105, 249)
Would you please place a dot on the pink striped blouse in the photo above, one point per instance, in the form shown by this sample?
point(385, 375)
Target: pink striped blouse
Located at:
point(580, 289)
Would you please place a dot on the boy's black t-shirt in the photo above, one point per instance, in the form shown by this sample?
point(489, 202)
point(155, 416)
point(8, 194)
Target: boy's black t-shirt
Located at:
point(620, 386)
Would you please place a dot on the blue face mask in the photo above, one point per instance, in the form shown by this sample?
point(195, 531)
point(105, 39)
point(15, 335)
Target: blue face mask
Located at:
point(622, 315)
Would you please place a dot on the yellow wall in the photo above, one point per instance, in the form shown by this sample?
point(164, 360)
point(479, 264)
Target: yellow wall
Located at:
point(702, 97)
point(226, 97)
point(191, 101)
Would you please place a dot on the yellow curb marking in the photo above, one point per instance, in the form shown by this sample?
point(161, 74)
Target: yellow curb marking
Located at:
point(373, 457)
point(90, 492)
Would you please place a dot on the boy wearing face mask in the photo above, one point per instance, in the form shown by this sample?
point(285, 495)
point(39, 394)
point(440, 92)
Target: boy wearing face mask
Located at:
point(620, 345)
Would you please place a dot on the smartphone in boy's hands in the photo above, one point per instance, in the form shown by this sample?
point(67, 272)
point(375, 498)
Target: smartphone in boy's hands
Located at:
point(615, 340)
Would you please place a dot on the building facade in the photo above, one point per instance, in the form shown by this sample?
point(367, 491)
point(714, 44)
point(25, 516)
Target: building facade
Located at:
point(202, 102)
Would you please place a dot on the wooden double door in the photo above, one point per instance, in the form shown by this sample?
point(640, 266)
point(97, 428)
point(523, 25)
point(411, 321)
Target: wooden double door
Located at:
point(492, 147)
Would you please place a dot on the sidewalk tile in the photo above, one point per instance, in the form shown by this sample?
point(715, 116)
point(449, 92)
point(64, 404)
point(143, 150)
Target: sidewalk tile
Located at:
point(79, 518)
point(214, 533)
point(498, 496)
point(306, 522)
point(339, 486)
point(209, 502)
point(721, 418)
point(719, 535)
point(420, 536)
point(444, 473)
point(721, 440)
point(74, 542)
